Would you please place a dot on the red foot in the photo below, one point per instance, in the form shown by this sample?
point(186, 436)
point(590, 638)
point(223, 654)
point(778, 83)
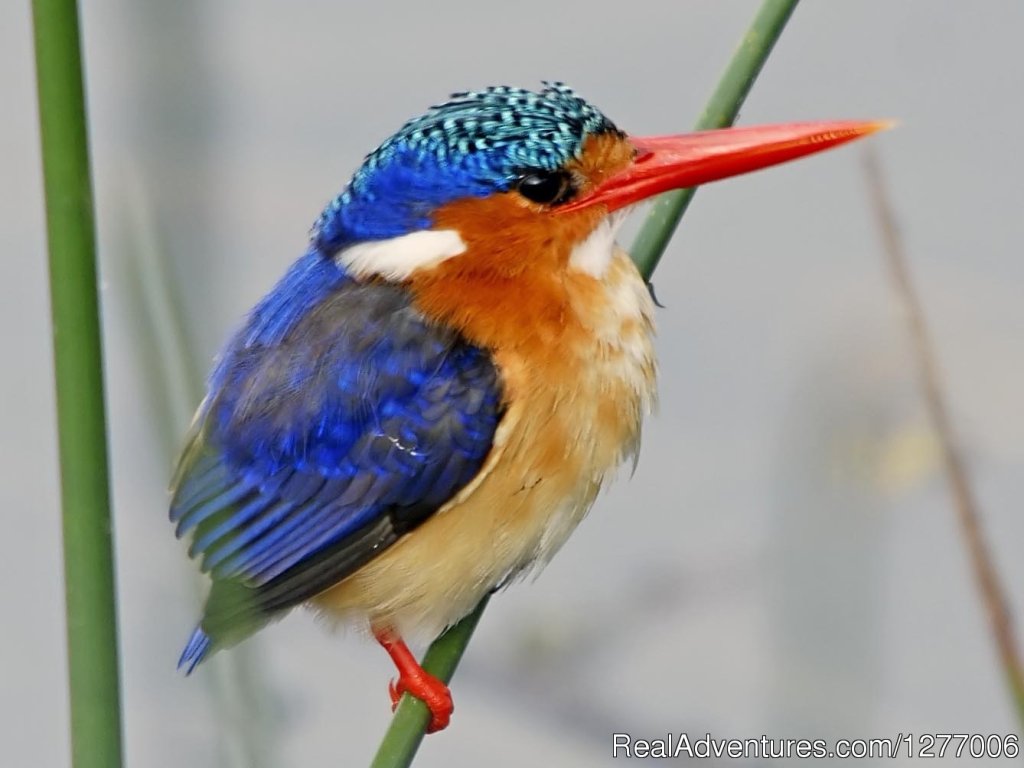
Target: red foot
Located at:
point(414, 680)
point(431, 692)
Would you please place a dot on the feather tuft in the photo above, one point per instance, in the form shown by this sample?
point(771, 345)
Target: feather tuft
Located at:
point(197, 649)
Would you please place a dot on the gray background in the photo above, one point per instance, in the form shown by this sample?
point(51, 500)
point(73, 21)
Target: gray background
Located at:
point(785, 559)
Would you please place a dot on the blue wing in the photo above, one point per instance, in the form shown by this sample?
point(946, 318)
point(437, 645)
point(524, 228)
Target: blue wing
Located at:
point(337, 420)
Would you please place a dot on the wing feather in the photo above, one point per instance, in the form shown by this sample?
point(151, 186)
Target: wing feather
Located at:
point(322, 442)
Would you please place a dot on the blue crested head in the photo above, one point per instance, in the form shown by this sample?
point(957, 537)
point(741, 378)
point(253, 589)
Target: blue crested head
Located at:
point(476, 144)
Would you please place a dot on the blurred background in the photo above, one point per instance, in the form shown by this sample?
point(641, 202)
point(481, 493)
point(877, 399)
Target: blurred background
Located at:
point(785, 560)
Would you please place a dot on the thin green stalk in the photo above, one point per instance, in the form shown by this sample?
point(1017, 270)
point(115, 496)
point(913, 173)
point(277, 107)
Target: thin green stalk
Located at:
point(409, 724)
point(720, 112)
point(78, 368)
point(405, 733)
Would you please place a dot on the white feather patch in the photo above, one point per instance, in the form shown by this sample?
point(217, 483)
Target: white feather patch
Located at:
point(398, 257)
point(594, 254)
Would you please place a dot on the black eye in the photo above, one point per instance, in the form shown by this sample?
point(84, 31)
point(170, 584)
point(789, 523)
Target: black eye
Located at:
point(545, 187)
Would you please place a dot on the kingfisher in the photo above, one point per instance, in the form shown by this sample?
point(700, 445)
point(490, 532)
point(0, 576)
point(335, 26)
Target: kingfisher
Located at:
point(425, 406)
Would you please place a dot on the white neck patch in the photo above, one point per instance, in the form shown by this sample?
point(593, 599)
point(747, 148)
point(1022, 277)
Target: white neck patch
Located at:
point(398, 257)
point(594, 254)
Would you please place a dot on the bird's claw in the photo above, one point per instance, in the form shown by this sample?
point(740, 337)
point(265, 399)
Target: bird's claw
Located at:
point(394, 693)
point(431, 692)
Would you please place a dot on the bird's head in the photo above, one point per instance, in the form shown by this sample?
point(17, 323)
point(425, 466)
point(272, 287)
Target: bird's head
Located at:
point(506, 180)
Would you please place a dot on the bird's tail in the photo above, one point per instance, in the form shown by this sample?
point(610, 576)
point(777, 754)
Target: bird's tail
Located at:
point(230, 616)
point(197, 649)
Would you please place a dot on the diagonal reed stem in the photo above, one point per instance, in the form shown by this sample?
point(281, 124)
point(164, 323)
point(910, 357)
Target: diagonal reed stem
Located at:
point(720, 112)
point(409, 724)
point(993, 594)
point(398, 748)
point(93, 682)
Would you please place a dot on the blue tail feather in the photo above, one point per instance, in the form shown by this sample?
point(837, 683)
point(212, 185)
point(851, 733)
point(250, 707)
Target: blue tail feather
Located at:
point(197, 649)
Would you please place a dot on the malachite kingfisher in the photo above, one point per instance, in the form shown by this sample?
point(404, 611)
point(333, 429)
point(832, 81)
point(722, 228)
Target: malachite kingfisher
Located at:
point(427, 403)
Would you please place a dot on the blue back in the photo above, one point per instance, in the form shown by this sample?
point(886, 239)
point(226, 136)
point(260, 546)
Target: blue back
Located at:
point(338, 419)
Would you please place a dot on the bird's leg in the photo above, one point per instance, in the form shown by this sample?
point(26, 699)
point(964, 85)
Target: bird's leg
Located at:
point(415, 680)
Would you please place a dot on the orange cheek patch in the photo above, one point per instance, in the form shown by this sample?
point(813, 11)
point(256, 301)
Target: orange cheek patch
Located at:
point(506, 234)
point(507, 289)
point(511, 287)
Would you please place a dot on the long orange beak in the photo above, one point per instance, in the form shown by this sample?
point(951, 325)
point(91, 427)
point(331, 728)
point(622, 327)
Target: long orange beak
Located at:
point(674, 162)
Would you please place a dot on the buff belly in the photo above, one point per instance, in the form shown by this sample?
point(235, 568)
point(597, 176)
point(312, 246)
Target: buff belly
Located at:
point(573, 416)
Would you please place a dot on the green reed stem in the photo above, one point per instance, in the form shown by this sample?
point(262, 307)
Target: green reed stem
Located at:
point(720, 112)
point(93, 682)
point(409, 724)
